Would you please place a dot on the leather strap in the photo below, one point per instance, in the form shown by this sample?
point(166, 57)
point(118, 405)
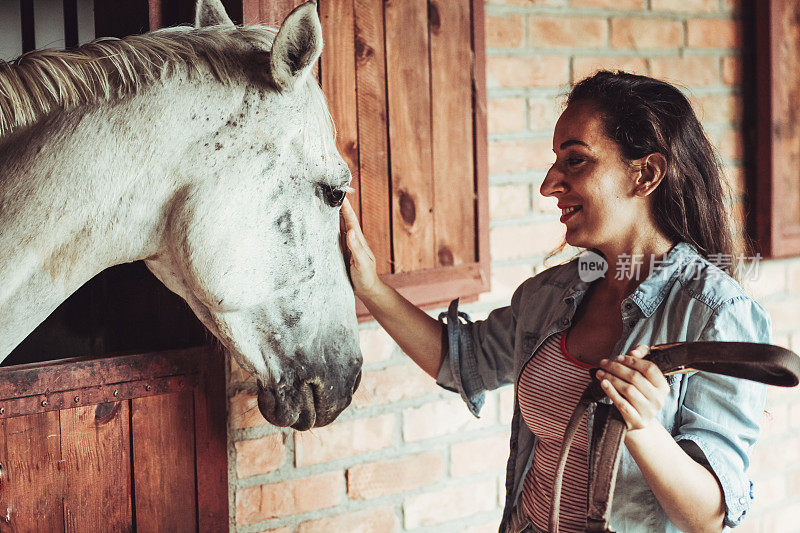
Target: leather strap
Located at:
point(764, 363)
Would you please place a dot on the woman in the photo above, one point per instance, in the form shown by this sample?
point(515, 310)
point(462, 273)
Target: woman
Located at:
point(636, 179)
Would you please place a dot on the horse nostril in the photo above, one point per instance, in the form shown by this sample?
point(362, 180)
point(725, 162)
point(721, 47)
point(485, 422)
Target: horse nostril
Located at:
point(357, 383)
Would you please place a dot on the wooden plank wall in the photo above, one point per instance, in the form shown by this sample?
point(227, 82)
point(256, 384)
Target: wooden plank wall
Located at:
point(411, 154)
point(154, 460)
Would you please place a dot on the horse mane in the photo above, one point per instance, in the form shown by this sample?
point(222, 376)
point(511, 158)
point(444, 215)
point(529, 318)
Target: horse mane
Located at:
point(108, 68)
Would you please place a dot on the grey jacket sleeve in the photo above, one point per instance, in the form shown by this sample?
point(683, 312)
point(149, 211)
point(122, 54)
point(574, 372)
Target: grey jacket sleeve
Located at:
point(480, 355)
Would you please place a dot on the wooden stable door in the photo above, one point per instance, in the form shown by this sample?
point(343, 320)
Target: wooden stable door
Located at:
point(131, 443)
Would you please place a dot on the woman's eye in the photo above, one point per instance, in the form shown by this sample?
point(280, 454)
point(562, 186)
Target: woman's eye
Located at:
point(333, 197)
point(573, 161)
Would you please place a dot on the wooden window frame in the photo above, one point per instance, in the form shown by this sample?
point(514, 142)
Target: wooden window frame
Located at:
point(371, 157)
point(775, 182)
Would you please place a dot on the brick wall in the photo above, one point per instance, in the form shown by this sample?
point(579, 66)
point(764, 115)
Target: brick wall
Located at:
point(407, 456)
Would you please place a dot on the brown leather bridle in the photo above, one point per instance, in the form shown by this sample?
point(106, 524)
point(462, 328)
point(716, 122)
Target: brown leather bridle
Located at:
point(764, 363)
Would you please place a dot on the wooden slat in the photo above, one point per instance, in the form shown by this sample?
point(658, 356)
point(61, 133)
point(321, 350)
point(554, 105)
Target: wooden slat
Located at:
point(269, 12)
point(31, 482)
point(373, 131)
point(435, 287)
point(338, 78)
point(44, 378)
point(162, 429)
point(453, 170)
point(481, 141)
point(408, 81)
point(95, 446)
point(211, 445)
point(777, 180)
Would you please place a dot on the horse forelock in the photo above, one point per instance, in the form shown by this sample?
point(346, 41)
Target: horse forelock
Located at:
point(107, 69)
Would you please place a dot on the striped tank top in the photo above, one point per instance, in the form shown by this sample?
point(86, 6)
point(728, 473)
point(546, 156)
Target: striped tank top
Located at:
point(549, 389)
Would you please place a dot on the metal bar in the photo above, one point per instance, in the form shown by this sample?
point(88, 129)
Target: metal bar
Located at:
point(28, 28)
point(71, 23)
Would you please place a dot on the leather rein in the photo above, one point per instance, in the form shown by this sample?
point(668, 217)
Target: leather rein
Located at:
point(764, 363)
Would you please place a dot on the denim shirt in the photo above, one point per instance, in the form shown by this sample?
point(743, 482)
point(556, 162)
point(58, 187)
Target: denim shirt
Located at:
point(685, 299)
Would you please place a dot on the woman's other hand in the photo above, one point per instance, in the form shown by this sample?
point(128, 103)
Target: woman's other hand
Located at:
point(636, 386)
point(363, 272)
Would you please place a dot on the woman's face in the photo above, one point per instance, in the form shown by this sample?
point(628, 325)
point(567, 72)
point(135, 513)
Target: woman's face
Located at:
point(592, 182)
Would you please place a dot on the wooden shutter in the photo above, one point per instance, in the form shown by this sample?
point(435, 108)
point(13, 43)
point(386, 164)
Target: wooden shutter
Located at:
point(775, 184)
point(405, 84)
point(124, 443)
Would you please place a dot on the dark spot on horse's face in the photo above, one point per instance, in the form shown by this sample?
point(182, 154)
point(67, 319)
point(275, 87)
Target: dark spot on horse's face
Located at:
point(290, 318)
point(285, 223)
point(194, 117)
point(218, 146)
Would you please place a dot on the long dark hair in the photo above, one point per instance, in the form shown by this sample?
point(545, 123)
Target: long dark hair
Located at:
point(645, 115)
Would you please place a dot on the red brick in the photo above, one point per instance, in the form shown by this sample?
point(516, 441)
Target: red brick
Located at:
point(780, 454)
point(446, 417)
point(688, 6)
point(708, 33)
point(481, 455)
point(528, 2)
point(505, 31)
point(732, 70)
point(698, 71)
point(505, 115)
point(784, 314)
point(543, 114)
point(509, 201)
point(782, 518)
point(459, 501)
point(730, 143)
point(718, 108)
point(506, 401)
point(380, 520)
point(238, 373)
point(515, 242)
point(370, 480)
point(259, 456)
point(575, 32)
point(583, 67)
point(505, 279)
point(393, 384)
point(488, 527)
point(610, 4)
point(639, 33)
point(520, 155)
point(529, 71)
point(376, 345)
point(286, 498)
point(243, 411)
point(793, 277)
point(343, 439)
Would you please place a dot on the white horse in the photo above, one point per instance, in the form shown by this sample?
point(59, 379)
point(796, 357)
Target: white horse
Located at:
point(209, 153)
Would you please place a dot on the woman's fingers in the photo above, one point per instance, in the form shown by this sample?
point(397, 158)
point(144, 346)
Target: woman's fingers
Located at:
point(635, 385)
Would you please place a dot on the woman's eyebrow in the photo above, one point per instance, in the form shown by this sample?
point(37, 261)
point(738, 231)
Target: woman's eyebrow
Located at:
point(572, 142)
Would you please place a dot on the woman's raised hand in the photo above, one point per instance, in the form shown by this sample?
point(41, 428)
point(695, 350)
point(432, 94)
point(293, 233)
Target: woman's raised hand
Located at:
point(363, 272)
point(636, 386)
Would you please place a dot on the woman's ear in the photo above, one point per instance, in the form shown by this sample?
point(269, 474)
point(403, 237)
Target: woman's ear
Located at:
point(651, 170)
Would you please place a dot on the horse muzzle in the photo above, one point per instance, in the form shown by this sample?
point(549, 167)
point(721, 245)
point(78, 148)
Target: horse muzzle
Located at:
point(308, 403)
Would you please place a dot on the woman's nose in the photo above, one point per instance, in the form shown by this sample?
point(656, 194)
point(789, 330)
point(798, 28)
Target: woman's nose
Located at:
point(553, 183)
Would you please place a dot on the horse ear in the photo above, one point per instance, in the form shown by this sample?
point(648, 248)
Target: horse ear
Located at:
point(210, 13)
point(297, 46)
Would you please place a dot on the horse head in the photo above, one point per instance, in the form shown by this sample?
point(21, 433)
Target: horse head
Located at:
point(252, 241)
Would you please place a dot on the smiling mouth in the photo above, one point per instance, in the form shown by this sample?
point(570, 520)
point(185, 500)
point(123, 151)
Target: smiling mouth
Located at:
point(569, 212)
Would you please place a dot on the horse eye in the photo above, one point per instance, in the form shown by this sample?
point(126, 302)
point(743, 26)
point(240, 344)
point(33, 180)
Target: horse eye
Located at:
point(333, 197)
